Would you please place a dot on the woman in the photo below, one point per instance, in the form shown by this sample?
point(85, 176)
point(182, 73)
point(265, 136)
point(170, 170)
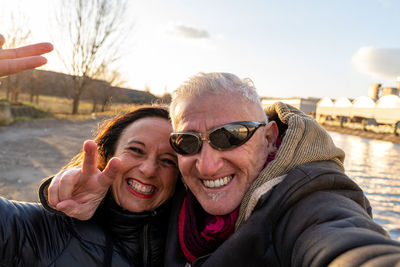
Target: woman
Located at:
point(129, 228)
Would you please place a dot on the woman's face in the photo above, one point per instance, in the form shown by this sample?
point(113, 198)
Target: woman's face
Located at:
point(149, 168)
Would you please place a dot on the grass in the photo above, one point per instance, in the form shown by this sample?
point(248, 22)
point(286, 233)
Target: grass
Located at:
point(16, 119)
point(61, 108)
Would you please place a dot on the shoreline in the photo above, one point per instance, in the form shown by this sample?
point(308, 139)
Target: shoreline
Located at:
point(366, 134)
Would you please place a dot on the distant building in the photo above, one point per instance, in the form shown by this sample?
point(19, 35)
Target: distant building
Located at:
point(390, 91)
point(307, 105)
point(373, 91)
point(385, 110)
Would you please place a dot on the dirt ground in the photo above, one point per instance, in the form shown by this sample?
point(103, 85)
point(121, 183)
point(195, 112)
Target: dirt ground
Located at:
point(31, 151)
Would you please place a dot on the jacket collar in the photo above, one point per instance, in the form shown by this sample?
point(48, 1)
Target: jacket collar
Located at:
point(124, 224)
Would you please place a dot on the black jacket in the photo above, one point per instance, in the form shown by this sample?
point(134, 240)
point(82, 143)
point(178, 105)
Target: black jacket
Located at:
point(32, 236)
point(314, 217)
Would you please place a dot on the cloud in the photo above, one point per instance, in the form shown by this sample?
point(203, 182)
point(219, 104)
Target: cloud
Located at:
point(386, 3)
point(188, 32)
point(381, 63)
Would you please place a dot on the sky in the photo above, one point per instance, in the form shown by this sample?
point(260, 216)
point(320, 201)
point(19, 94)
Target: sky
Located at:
point(297, 48)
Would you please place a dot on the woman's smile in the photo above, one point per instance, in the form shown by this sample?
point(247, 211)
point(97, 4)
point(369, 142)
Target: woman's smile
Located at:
point(140, 189)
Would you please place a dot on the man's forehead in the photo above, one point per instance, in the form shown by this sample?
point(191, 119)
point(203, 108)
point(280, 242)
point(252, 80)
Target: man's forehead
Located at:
point(195, 121)
point(200, 121)
point(207, 111)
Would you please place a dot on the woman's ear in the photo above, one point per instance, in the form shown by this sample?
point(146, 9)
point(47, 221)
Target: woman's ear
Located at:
point(271, 134)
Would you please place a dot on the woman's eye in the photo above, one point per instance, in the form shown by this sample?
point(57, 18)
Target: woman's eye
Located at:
point(169, 162)
point(136, 150)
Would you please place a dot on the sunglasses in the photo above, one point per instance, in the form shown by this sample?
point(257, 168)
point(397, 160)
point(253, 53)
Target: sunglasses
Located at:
point(223, 137)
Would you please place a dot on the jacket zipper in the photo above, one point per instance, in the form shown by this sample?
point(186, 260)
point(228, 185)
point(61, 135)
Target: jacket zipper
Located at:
point(145, 244)
point(146, 249)
point(199, 259)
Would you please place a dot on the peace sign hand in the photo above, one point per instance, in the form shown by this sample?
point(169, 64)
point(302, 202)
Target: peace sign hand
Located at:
point(23, 58)
point(79, 190)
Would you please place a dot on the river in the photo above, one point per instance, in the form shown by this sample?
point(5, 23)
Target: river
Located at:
point(375, 166)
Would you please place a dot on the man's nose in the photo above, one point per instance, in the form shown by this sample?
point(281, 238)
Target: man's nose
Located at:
point(209, 160)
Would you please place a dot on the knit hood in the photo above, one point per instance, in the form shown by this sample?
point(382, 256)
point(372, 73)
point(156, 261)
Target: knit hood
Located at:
point(304, 141)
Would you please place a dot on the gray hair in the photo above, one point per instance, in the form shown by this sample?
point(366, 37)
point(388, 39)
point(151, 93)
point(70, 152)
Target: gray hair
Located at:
point(214, 83)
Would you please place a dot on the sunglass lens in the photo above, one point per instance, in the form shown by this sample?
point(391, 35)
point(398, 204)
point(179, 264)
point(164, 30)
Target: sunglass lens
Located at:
point(185, 144)
point(229, 136)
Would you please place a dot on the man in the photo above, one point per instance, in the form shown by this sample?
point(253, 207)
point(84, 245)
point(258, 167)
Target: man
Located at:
point(23, 58)
point(263, 189)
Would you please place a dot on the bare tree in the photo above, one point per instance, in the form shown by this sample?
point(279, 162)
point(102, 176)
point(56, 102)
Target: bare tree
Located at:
point(115, 79)
point(93, 34)
point(34, 88)
point(166, 98)
point(102, 92)
point(97, 90)
point(147, 88)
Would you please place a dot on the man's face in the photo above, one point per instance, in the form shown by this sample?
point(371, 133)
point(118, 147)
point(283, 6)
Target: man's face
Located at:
point(233, 170)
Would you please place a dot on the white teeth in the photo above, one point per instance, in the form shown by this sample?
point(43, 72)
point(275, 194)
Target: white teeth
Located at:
point(217, 183)
point(140, 188)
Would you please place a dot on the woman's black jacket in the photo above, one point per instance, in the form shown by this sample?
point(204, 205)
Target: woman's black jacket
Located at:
point(32, 236)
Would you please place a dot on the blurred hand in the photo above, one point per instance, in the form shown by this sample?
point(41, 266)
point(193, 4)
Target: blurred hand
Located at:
point(23, 58)
point(79, 190)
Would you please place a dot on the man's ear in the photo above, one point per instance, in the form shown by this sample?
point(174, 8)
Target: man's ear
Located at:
point(271, 134)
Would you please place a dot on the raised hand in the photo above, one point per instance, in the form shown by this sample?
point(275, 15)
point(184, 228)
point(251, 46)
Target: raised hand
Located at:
point(23, 58)
point(79, 190)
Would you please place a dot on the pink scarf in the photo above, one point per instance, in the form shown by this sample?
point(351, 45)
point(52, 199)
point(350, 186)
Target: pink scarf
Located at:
point(201, 233)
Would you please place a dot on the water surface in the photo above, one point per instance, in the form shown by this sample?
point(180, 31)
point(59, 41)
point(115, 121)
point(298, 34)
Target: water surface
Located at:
point(375, 166)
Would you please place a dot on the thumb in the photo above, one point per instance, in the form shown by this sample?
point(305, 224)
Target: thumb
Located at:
point(110, 173)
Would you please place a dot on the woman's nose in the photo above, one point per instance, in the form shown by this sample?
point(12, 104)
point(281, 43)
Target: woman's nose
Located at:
point(148, 167)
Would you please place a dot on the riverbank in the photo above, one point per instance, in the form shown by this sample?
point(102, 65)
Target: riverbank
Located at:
point(367, 134)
